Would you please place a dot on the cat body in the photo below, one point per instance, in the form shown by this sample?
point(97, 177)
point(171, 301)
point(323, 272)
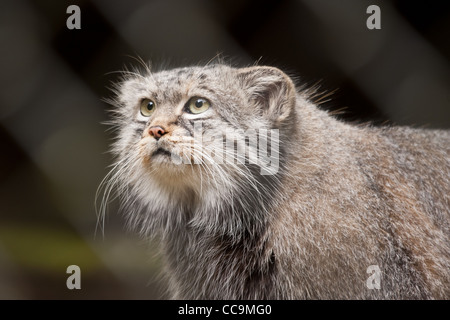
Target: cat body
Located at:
point(343, 198)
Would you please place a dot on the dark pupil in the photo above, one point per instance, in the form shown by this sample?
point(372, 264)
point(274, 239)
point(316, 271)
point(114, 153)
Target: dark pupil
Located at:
point(150, 106)
point(199, 103)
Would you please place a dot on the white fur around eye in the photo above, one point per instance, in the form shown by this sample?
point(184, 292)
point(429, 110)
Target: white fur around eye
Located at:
point(199, 115)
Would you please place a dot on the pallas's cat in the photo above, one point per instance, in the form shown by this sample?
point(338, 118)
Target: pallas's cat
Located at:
point(256, 193)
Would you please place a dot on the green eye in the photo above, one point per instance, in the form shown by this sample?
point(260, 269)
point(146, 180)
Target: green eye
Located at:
point(198, 105)
point(147, 107)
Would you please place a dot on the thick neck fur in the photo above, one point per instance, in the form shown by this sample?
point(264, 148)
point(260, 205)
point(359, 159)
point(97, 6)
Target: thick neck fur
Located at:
point(223, 251)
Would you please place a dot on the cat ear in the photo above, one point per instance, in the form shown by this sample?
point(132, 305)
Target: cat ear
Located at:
point(270, 90)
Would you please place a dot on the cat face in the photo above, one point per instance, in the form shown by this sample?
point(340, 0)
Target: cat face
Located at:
point(201, 128)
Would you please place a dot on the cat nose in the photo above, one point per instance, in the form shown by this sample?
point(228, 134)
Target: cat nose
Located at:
point(156, 132)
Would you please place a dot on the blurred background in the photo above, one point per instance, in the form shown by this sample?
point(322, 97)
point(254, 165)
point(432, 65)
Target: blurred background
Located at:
point(52, 79)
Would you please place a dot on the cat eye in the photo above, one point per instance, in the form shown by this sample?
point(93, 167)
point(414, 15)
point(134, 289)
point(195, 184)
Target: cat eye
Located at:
point(147, 107)
point(197, 105)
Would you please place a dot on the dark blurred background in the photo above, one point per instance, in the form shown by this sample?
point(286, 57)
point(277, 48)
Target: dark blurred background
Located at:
point(52, 80)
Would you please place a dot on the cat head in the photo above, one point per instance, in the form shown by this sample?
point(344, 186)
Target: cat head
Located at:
point(193, 132)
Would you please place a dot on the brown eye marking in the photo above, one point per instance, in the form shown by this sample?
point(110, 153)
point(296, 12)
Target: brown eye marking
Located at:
point(197, 105)
point(147, 107)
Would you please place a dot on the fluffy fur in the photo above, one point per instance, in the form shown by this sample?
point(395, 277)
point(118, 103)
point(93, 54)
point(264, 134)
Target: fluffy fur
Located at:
point(345, 197)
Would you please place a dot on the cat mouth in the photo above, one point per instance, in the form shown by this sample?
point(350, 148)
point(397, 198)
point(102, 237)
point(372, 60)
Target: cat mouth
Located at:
point(161, 152)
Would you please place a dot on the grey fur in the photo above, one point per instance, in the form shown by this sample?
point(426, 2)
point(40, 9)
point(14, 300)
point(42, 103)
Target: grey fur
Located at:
point(345, 197)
